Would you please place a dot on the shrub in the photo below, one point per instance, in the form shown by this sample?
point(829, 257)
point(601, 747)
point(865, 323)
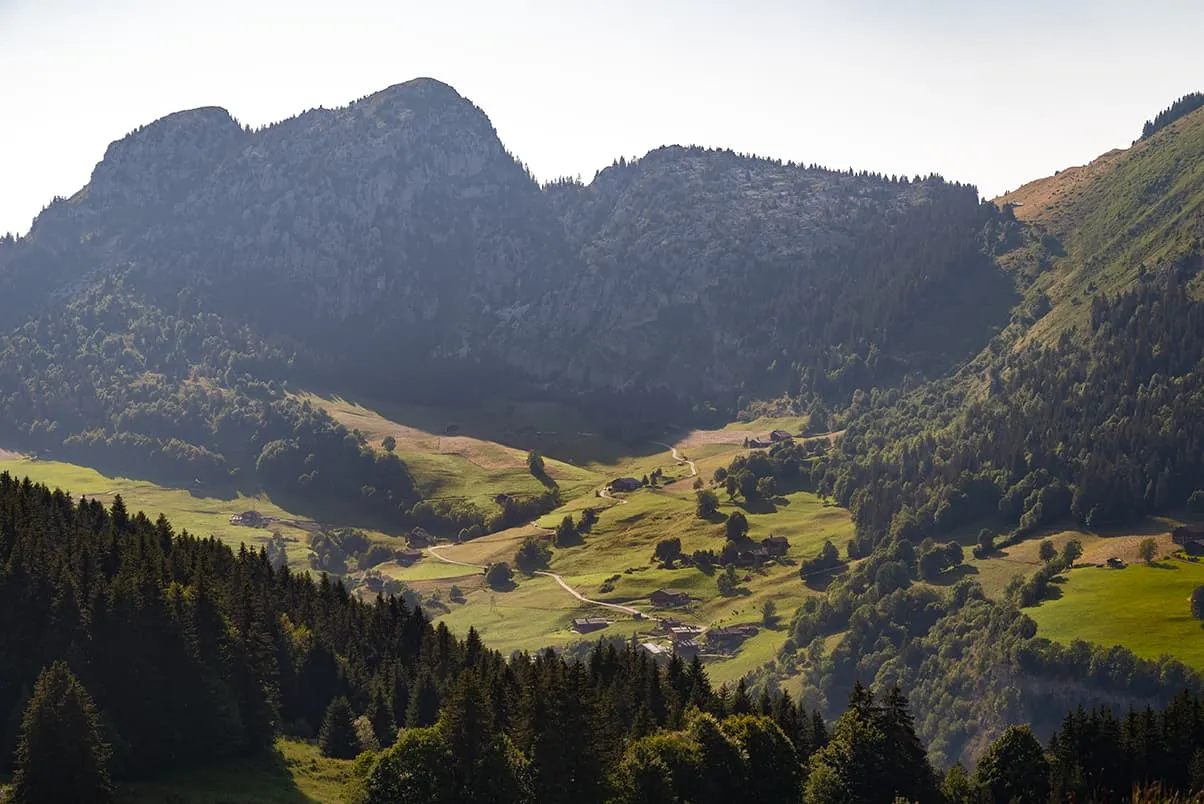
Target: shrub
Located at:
point(499, 575)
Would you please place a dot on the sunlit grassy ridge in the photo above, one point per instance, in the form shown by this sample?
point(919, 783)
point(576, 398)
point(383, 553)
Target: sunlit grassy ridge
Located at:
point(194, 512)
point(1128, 209)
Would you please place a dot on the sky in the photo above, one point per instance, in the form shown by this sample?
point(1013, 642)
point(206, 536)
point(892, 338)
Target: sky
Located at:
point(981, 91)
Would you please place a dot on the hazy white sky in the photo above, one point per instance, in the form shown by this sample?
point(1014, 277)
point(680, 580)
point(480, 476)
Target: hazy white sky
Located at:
point(984, 91)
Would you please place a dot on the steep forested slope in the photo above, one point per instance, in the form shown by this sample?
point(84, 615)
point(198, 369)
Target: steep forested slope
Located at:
point(1085, 412)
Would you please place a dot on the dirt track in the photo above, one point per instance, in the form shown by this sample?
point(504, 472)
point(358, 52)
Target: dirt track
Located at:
point(434, 551)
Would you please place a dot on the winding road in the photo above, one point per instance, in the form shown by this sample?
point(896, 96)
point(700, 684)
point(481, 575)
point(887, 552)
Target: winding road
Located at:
point(434, 551)
point(677, 456)
point(604, 493)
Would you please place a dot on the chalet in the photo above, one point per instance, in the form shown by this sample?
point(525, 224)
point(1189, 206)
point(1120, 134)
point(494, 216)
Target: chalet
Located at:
point(684, 633)
point(778, 436)
point(730, 638)
point(1190, 538)
point(654, 650)
point(777, 546)
point(668, 598)
point(1116, 563)
point(753, 557)
point(584, 625)
point(249, 519)
point(624, 484)
point(686, 648)
point(759, 443)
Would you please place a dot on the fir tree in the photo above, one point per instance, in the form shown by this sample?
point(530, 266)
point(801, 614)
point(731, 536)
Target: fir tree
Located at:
point(423, 709)
point(337, 738)
point(61, 757)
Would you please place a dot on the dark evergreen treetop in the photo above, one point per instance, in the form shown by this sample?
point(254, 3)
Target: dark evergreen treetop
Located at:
point(1180, 108)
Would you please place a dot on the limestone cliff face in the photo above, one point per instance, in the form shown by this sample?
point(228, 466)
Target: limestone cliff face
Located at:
point(398, 230)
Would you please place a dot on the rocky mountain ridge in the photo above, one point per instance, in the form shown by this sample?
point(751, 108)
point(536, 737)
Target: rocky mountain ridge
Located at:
point(402, 219)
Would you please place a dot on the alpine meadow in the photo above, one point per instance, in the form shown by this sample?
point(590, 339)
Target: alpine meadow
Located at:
point(341, 459)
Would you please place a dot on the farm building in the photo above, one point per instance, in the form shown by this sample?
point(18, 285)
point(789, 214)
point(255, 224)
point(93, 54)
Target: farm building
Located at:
point(759, 443)
point(584, 625)
point(730, 638)
point(668, 598)
point(249, 519)
point(776, 546)
point(1190, 538)
point(686, 648)
point(654, 650)
point(625, 484)
point(780, 435)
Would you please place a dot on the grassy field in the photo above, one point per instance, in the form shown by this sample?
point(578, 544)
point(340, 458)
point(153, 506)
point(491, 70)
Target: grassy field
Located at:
point(294, 774)
point(199, 515)
point(484, 455)
point(618, 552)
point(459, 465)
point(995, 571)
point(1143, 608)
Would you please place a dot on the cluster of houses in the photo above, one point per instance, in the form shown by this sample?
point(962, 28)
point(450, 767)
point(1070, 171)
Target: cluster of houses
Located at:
point(775, 437)
point(688, 641)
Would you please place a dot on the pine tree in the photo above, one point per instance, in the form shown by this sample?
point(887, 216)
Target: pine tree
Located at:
point(337, 738)
point(424, 703)
point(61, 757)
point(380, 713)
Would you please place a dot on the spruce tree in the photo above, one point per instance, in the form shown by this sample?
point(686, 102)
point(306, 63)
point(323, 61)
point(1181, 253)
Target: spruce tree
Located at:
point(380, 714)
point(337, 738)
point(61, 757)
point(424, 703)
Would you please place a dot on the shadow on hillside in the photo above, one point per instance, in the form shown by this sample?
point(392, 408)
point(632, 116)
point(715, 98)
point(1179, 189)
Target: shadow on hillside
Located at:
point(956, 574)
point(555, 429)
point(264, 778)
point(760, 506)
point(820, 581)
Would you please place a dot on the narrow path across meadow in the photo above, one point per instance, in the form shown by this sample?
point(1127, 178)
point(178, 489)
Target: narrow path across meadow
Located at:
point(677, 456)
point(434, 551)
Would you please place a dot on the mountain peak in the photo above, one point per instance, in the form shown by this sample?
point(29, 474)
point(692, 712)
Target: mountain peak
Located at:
point(151, 164)
point(415, 93)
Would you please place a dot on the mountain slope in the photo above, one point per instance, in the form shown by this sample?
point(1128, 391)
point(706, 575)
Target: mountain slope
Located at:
point(1127, 214)
point(721, 274)
point(393, 247)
